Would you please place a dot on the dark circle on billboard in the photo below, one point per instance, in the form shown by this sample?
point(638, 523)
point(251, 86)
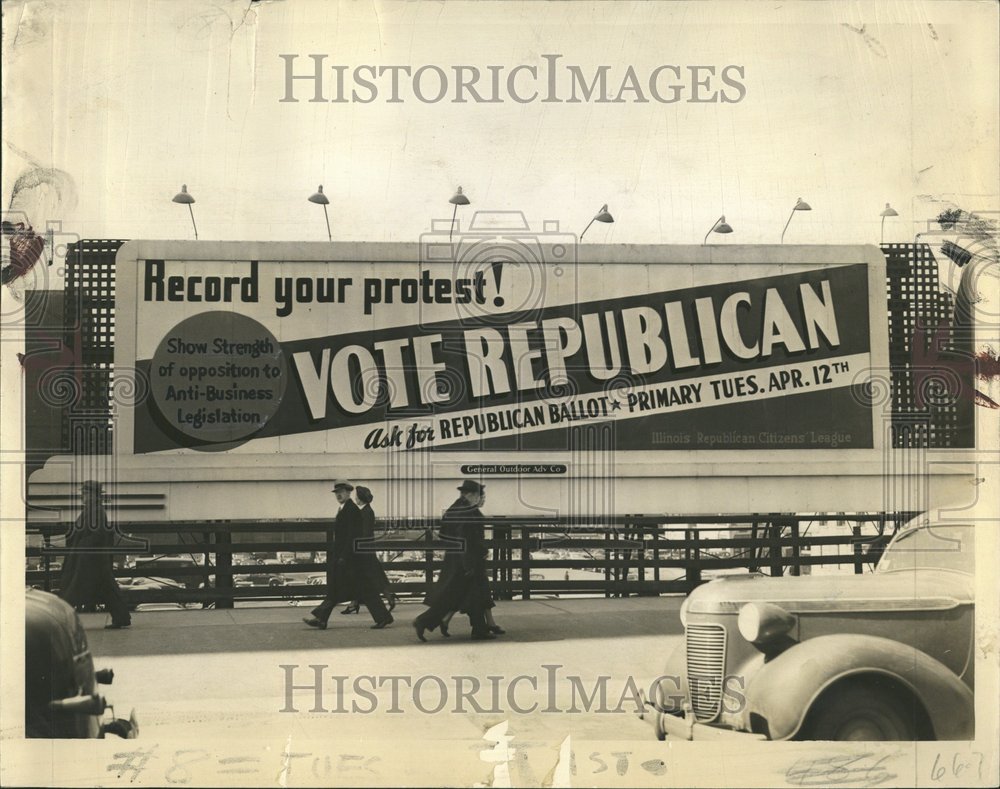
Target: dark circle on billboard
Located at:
point(218, 377)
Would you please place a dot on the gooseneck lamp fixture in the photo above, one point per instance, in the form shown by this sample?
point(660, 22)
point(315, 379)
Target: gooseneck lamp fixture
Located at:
point(321, 199)
point(601, 216)
point(184, 198)
point(456, 200)
point(887, 211)
point(800, 205)
point(720, 226)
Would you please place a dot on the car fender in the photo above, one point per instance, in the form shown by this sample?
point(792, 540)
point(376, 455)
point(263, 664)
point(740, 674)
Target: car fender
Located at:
point(782, 692)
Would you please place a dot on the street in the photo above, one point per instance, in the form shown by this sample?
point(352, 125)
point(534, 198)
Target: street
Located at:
point(223, 673)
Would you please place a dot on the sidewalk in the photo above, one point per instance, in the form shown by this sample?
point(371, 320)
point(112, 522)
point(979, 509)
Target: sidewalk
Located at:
point(281, 627)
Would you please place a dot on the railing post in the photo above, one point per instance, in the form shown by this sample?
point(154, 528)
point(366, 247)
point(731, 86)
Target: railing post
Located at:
point(796, 568)
point(607, 564)
point(525, 563)
point(223, 569)
point(206, 557)
point(509, 555)
point(330, 569)
point(774, 538)
point(47, 559)
point(692, 558)
point(640, 532)
point(429, 560)
point(859, 564)
point(503, 554)
point(656, 556)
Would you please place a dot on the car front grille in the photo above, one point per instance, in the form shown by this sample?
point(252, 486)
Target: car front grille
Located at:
point(706, 664)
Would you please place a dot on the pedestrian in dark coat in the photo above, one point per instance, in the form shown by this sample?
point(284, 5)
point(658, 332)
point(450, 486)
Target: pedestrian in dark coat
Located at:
point(367, 552)
point(88, 577)
point(351, 577)
point(463, 584)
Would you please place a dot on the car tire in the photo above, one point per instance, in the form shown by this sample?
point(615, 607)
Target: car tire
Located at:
point(860, 711)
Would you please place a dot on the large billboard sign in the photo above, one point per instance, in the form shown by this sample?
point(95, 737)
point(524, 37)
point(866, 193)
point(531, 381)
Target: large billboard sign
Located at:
point(493, 348)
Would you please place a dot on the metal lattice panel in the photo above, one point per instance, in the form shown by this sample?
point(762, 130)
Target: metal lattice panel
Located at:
point(90, 331)
point(918, 307)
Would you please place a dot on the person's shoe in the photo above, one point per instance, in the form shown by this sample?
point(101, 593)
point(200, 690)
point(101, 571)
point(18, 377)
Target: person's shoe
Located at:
point(420, 630)
point(393, 599)
point(444, 630)
point(497, 630)
point(487, 636)
point(117, 626)
point(384, 623)
point(314, 622)
point(352, 609)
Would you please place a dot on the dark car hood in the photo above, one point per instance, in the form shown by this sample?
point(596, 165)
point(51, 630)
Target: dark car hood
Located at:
point(924, 589)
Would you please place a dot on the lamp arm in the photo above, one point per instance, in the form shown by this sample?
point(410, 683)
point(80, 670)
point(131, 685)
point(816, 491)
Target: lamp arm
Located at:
point(451, 230)
point(326, 214)
point(710, 230)
point(586, 228)
point(191, 210)
point(786, 225)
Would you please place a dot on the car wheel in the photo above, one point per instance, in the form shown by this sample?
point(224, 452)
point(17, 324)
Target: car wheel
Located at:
point(860, 711)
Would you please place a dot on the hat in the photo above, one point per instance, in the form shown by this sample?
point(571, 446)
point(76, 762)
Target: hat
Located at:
point(92, 486)
point(471, 486)
point(364, 494)
point(342, 483)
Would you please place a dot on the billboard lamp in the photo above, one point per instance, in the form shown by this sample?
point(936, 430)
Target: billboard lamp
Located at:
point(456, 200)
point(321, 199)
point(184, 198)
point(888, 211)
point(800, 205)
point(601, 216)
point(720, 226)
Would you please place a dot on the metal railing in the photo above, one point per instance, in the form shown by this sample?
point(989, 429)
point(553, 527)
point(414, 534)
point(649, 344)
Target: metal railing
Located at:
point(616, 556)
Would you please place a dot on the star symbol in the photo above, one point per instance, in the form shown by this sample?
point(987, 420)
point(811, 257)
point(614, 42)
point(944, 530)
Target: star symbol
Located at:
point(615, 405)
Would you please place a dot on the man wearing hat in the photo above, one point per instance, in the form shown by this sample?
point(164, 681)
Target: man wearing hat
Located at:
point(88, 575)
point(463, 584)
point(349, 579)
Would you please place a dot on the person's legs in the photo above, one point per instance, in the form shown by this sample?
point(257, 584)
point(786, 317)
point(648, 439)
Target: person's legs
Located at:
point(432, 616)
point(445, 621)
point(120, 616)
point(373, 602)
point(323, 610)
point(491, 623)
point(477, 620)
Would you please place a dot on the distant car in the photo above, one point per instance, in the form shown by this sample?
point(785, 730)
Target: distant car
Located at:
point(261, 579)
point(144, 584)
point(166, 567)
point(60, 684)
point(882, 656)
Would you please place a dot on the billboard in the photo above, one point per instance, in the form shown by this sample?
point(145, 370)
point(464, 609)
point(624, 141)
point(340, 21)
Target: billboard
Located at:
point(501, 347)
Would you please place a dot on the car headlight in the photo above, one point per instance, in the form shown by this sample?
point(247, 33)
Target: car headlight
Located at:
point(764, 623)
point(684, 612)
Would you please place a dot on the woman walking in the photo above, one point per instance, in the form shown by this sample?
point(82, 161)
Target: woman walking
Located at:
point(374, 569)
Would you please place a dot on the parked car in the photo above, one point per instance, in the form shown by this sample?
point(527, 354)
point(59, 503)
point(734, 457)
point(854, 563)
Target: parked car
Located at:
point(882, 656)
point(167, 567)
point(60, 684)
point(261, 579)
